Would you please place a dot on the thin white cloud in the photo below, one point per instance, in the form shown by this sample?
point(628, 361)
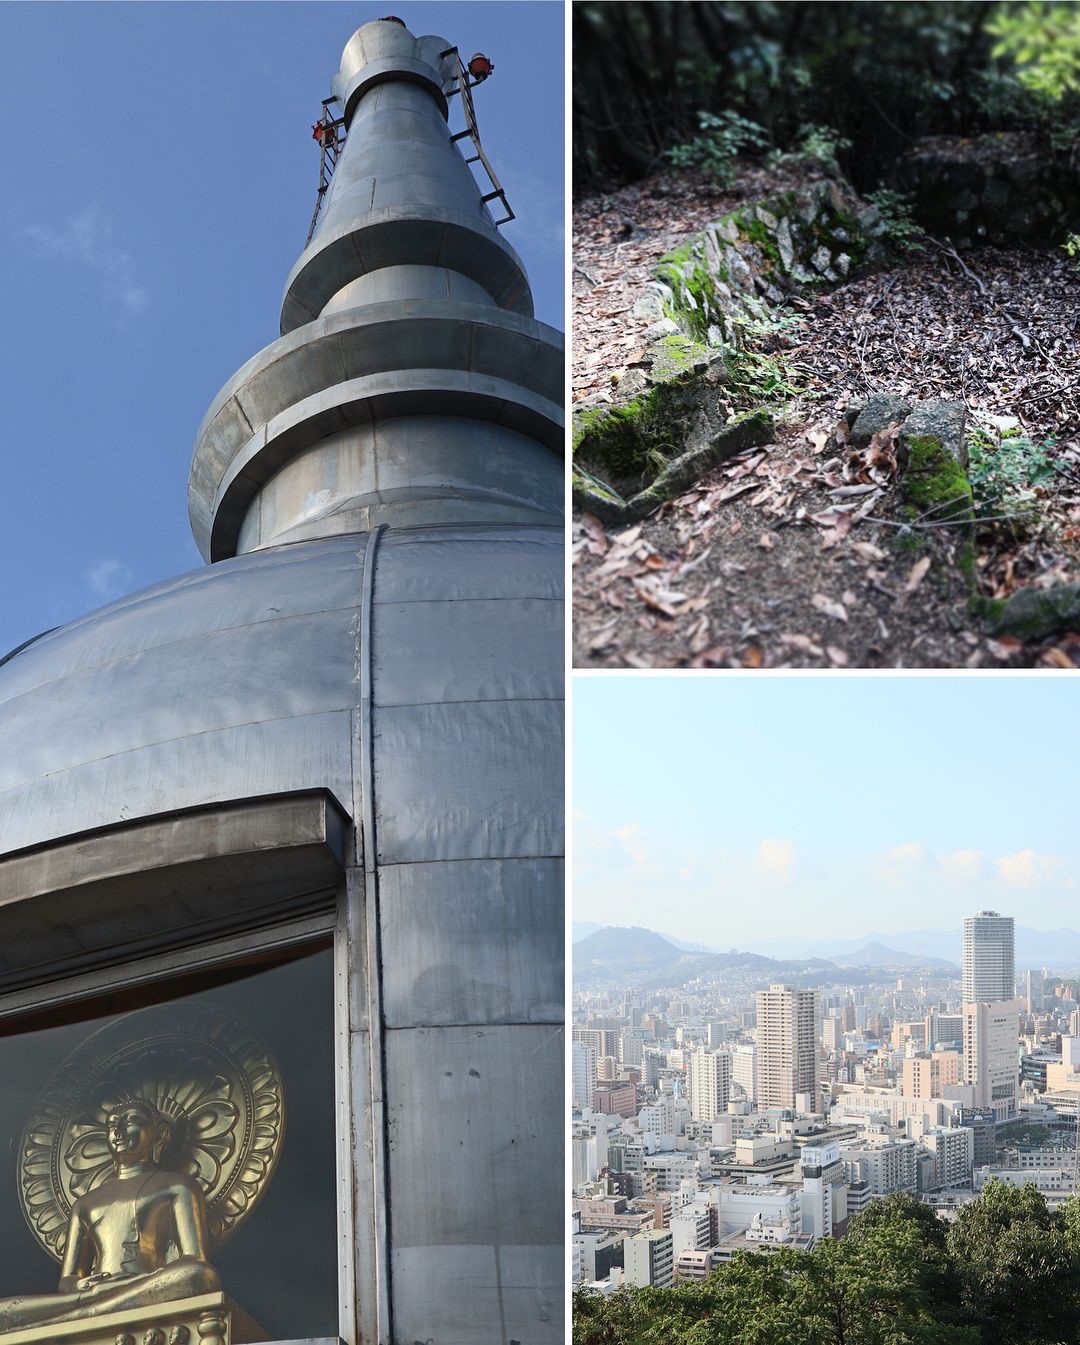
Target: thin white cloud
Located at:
point(630, 839)
point(617, 845)
point(1028, 869)
point(776, 856)
point(109, 578)
point(87, 239)
point(964, 864)
point(899, 864)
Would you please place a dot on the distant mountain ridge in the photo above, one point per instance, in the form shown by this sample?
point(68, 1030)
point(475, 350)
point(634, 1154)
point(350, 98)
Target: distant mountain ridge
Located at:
point(616, 954)
point(876, 954)
point(1058, 949)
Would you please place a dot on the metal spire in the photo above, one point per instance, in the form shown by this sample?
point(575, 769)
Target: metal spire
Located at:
point(411, 384)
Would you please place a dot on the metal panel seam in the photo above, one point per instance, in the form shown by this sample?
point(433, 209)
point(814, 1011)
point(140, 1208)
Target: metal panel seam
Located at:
point(377, 1056)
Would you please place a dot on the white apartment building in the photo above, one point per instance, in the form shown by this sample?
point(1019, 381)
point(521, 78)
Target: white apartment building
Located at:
point(582, 1073)
point(709, 1083)
point(953, 1151)
point(658, 1118)
point(885, 1164)
point(988, 968)
point(670, 1169)
point(786, 1046)
point(648, 1259)
point(690, 1229)
point(744, 1068)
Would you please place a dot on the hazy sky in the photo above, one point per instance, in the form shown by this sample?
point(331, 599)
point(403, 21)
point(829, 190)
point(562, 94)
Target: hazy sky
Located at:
point(159, 176)
point(727, 810)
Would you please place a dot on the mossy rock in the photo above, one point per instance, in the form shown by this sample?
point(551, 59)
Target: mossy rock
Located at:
point(934, 486)
point(1034, 614)
point(627, 446)
point(932, 455)
point(745, 431)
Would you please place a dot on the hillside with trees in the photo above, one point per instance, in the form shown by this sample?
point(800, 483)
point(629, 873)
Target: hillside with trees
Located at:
point(826, 347)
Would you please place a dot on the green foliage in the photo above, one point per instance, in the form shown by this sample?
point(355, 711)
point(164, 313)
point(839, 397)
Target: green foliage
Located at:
point(897, 216)
point(1006, 468)
point(1044, 41)
point(1016, 1267)
point(822, 143)
point(1072, 247)
point(723, 137)
point(878, 73)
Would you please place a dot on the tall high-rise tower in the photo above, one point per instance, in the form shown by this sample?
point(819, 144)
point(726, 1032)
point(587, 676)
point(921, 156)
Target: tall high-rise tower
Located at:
point(988, 965)
point(329, 764)
point(786, 1046)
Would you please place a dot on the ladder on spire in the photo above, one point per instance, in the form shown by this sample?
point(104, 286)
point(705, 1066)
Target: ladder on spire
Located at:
point(492, 190)
point(329, 133)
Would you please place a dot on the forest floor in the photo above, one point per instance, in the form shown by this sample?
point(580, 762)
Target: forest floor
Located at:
point(756, 566)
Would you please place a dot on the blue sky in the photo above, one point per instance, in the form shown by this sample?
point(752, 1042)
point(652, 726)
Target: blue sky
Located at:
point(729, 811)
point(159, 176)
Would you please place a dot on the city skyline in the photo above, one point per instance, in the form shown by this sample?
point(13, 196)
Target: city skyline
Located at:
point(728, 816)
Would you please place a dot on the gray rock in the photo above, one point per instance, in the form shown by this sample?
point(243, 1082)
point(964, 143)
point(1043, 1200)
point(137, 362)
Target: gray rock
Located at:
point(843, 263)
point(784, 244)
point(879, 410)
point(739, 272)
point(869, 220)
point(633, 382)
point(938, 419)
point(767, 218)
point(726, 229)
point(821, 259)
point(648, 306)
point(665, 327)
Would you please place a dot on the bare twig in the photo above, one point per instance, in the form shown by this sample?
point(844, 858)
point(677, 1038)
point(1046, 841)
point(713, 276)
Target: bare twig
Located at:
point(950, 251)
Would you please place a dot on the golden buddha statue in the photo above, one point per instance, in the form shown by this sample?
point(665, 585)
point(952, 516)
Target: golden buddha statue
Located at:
point(137, 1238)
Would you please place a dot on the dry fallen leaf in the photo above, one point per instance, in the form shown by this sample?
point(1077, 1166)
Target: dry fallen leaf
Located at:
point(830, 608)
point(1006, 647)
point(663, 600)
point(804, 643)
point(917, 575)
point(1056, 658)
point(595, 533)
